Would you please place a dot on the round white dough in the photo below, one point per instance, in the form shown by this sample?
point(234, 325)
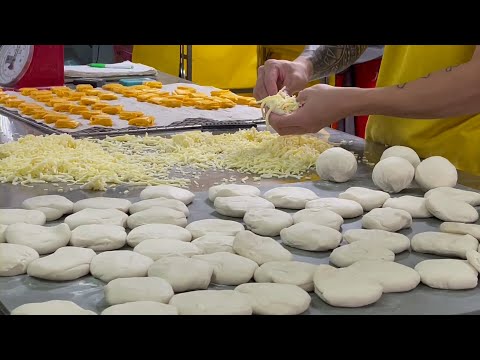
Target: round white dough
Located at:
point(141, 308)
point(119, 264)
point(290, 197)
point(124, 290)
point(369, 199)
point(387, 219)
point(237, 206)
point(53, 206)
point(167, 192)
point(445, 244)
point(434, 172)
point(162, 202)
point(347, 255)
point(473, 258)
point(102, 203)
point(447, 274)
point(267, 222)
point(393, 174)
point(311, 237)
point(210, 244)
point(14, 259)
point(259, 248)
point(99, 237)
point(158, 248)
point(448, 209)
point(403, 152)
point(378, 238)
point(319, 216)
point(2, 233)
point(44, 239)
point(157, 231)
point(226, 190)
point(14, 216)
point(470, 197)
point(96, 216)
point(287, 272)
point(67, 263)
point(276, 299)
point(52, 307)
point(214, 226)
point(212, 302)
point(182, 273)
point(414, 205)
point(347, 209)
point(51, 214)
point(229, 269)
point(460, 228)
point(157, 215)
point(336, 164)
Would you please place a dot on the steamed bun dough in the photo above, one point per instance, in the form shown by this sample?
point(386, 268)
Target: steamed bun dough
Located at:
point(267, 222)
point(102, 203)
point(448, 209)
point(439, 243)
point(347, 209)
point(336, 164)
point(157, 215)
point(287, 272)
point(162, 202)
point(96, 216)
point(319, 216)
point(212, 302)
point(290, 197)
point(53, 206)
point(470, 197)
point(311, 237)
point(141, 308)
point(447, 274)
point(473, 258)
point(115, 264)
point(157, 231)
point(368, 198)
point(227, 190)
point(393, 174)
point(387, 219)
point(434, 172)
point(237, 206)
point(346, 255)
point(133, 289)
point(460, 228)
point(167, 192)
point(14, 216)
point(378, 238)
point(99, 237)
point(259, 248)
point(52, 307)
point(158, 248)
point(2, 233)
point(214, 226)
point(43, 239)
point(403, 152)
point(212, 243)
point(14, 259)
point(414, 205)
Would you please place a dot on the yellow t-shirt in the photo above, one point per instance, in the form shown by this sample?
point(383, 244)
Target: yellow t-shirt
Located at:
point(454, 138)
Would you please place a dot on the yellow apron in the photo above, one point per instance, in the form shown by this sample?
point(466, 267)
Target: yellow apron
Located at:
point(454, 138)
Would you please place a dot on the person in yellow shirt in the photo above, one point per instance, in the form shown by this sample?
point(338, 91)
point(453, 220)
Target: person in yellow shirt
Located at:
point(427, 97)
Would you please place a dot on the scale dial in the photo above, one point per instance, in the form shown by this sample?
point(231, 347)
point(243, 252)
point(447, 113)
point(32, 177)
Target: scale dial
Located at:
point(14, 62)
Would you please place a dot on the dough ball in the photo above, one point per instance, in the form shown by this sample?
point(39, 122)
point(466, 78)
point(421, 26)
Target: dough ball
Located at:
point(473, 258)
point(346, 255)
point(14, 216)
point(434, 172)
point(214, 226)
point(96, 216)
point(287, 272)
point(403, 152)
point(336, 164)
point(158, 248)
point(14, 259)
point(43, 239)
point(448, 209)
point(259, 249)
point(460, 228)
point(157, 231)
point(347, 209)
point(290, 197)
point(319, 216)
point(67, 263)
point(210, 244)
point(226, 190)
point(445, 244)
point(470, 197)
point(378, 238)
point(368, 198)
point(162, 202)
point(393, 174)
point(212, 302)
point(99, 237)
point(52, 307)
point(102, 203)
point(141, 308)
point(267, 222)
point(182, 273)
point(237, 206)
point(157, 215)
point(167, 192)
point(115, 264)
point(387, 219)
point(447, 274)
point(126, 290)
point(311, 237)
point(414, 205)
point(2, 233)
point(53, 206)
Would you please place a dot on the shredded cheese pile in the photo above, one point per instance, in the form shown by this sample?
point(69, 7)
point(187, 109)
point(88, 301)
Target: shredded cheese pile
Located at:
point(280, 103)
point(154, 160)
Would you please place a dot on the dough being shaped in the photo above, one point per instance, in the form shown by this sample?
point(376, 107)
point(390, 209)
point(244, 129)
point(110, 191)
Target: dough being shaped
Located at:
point(182, 273)
point(387, 219)
point(212, 302)
point(460, 228)
point(347, 209)
point(287, 272)
point(99, 237)
point(473, 258)
point(53, 206)
point(267, 222)
point(141, 308)
point(14, 259)
point(167, 192)
point(448, 209)
point(378, 238)
point(43, 239)
point(157, 231)
point(447, 274)
point(290, 197)
point(17, 216)
point(115, 264)
point(237, 206)
point(414, 205)
point(157, 215)
point(162, 202)
point(2, 233)
point(470, 197)
point(214, 226)
point(445, 244)
point(259, 249)
point(67, 263)
point(434, 172)
point(120, 291)
point(52, 307)
point(229, 269)
point(102, 203)
point(210, 244)
point(96, 216)
point(276, 299)
point(226, 190)
point(311, 237)
point(403, 152)
point(368, 198)
point(347, 255)
point(336, 164)
point(158, 248)
point(319, 216)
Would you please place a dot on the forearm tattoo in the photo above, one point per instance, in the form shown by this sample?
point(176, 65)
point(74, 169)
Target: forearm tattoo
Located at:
point(332, 59)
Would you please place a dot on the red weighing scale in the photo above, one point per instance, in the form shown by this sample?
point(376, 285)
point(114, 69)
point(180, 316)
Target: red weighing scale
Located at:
point(31, 66)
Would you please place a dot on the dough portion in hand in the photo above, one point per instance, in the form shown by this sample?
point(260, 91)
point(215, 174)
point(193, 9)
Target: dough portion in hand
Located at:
point(2, 233)
point(141, 308)
point(167, 192)
point(267, 222)
point(378, 238)
point(311, 237)
point(67, 263)
point(14, 259)
point(434, 172)
point(320, 216)
point(403, 152)
point(210, 244)
point(157, 215)
point(447, 209)
point(226, 190)
point(212, 302)
point(414, 205)
point(214, 226)
point(14, 216)
point(447, 274)
point(347, 209)
point(162, 202)
point(52, 307)
point(347, 255)
point(96, 216)
point(102, 203)
point(53, 206)
point(368, 198)
point(290, 197)
point(471, 197)
point(336, 164)
point(43, 239)
point(120, 291)
point(393, 174)
point(259, 248)
point(115, 264)
point(157, 231)
point(387, 219)
point(99, 237)
point(158, 248)
point(445, 244)
point(237, 206)
point(460, 228)
point(287, 272)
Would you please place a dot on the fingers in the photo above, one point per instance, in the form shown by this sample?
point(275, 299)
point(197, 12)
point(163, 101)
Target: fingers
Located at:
point(288, 124)
point(303, 95)
point(260, 92)
point(271, 74)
